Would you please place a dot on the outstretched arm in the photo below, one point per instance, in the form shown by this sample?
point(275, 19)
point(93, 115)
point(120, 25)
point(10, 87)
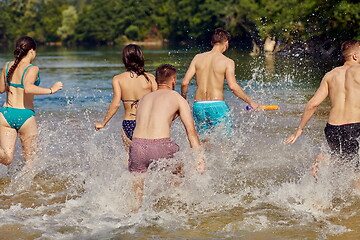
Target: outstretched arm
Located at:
point(310, 109)
point(188, 121)
point(31, 77)
point(114, 105)
point(188, 76)
point(235, 87)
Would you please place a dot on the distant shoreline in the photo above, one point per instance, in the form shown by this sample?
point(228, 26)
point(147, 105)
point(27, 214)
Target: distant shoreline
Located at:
point(155, 43)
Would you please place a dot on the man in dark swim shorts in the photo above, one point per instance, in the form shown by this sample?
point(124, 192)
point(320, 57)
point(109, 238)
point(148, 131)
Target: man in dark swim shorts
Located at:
point(342, 85)
point(151, 139)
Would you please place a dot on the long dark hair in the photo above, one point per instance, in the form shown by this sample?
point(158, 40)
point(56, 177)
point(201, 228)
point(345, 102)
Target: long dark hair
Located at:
point(23, 46)
point(133, 59)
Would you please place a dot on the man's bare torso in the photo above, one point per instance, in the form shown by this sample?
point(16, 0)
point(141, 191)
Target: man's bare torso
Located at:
point(155, 114)
point(344, 92)
point(210, 75)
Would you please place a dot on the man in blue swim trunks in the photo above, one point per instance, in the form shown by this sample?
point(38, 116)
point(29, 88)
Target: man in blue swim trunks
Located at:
point(211, 69)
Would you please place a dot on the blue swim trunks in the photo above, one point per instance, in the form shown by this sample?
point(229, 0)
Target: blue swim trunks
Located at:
point(211, 114)
point(16, 117)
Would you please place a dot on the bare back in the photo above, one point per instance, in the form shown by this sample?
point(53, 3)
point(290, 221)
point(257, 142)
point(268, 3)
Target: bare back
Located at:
point(344, 93)
point(210, 70)
point(18, 98)
point(352, 96)
point(134, 87)
point(155, 113)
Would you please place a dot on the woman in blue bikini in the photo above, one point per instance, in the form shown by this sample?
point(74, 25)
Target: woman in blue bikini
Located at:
point(20, 81)
point(129, 87)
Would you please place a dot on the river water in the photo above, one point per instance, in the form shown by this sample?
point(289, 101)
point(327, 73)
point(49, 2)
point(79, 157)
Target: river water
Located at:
point(254, 187)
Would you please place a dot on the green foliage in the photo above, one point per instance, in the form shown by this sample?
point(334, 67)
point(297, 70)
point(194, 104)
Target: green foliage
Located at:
point(69, 20)
point(132, 32)
point(109, 21)
point(50, 19)
point(121, 40)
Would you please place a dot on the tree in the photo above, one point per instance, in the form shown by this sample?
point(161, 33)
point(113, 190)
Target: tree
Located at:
point(69, 20)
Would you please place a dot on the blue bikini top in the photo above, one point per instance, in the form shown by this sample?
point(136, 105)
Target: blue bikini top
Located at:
point(21, 85)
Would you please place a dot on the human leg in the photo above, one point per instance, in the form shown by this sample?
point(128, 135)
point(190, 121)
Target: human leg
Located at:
point(320, 160)
point(126, 141)
point(28, 136)
point(137, 191)
point(8, 138)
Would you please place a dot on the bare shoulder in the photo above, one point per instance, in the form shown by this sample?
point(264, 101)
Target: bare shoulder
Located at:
point(178, 97)
point(199, 56)
point(5, 65)
point(228, 63)
point(333, 72)
point(151, 76)
point(34, 69)
point(175, 93)
point(229, 60)
point(120, 76)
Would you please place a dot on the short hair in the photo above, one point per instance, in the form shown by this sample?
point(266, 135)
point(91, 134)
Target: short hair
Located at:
point(220, 35)
point(164, 72)
point(348, 48)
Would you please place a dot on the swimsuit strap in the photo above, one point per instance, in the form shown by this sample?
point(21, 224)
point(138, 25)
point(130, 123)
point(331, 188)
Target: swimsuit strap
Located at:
point(20, 85)
point(22, 77)
point(9, 83)
point(7, 69)
point(132, 73)
point(134, 102)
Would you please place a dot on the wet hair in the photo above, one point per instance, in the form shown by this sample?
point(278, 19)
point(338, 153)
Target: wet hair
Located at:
point(23, 46)
point(133, 59)
point(220, 35)
point(164, 72)
point(348, 48)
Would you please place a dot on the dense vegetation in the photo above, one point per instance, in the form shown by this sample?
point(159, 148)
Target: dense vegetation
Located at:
point(115, 21)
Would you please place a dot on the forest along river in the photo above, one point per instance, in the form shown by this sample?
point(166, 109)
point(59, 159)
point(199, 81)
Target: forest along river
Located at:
point(254, 184)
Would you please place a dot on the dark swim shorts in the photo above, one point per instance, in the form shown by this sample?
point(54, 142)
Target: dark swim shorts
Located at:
point(143, 152)
point(342, 140)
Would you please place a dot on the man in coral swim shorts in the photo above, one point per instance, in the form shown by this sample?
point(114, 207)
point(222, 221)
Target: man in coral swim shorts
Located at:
point(151, 139)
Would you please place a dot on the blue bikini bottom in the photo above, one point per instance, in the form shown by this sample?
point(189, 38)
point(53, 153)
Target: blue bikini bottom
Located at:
point(16, 117)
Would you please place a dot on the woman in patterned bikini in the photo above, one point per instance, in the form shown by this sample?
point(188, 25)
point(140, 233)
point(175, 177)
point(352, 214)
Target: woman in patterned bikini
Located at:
point(129, 87)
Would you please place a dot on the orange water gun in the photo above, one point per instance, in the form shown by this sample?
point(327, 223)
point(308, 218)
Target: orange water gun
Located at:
point(265, 107)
